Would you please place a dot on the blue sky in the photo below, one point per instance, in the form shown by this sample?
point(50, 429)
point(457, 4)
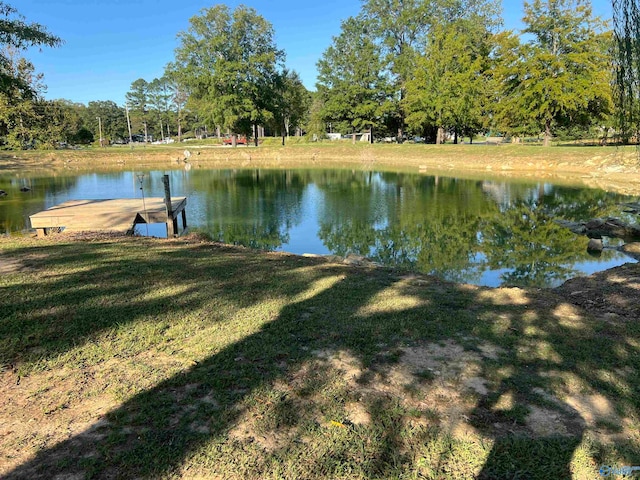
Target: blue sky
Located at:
point(111, 43)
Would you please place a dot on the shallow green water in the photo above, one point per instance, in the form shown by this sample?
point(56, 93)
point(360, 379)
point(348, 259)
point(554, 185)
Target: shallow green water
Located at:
point(482, 232)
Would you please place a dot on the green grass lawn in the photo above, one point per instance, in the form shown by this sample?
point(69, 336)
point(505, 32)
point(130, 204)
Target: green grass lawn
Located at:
point(137, 357)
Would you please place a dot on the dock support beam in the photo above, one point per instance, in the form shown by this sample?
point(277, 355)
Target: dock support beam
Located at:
point(172, 222)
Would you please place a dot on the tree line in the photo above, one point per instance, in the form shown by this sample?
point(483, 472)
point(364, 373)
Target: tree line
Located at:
point(434, 69)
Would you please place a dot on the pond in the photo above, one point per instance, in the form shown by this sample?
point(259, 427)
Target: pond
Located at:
point(482, 232)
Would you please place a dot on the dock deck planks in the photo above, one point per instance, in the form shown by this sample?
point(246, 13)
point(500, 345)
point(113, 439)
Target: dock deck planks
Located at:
point(112, 214)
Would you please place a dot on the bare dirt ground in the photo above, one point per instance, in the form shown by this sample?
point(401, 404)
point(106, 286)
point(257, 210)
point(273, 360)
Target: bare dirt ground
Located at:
point(612, 294)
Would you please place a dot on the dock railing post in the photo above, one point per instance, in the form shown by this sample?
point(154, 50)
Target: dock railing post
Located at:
point(172, 223)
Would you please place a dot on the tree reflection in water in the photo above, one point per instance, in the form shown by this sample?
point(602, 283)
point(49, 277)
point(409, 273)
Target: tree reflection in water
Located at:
point(482, 232)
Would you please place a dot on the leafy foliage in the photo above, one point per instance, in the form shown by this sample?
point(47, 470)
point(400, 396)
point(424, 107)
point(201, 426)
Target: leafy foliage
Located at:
point(292, 103)
point(351, 80)
point(137, 99)
point(429, 67)
point(16, 34)
point(230, 63)
point(627, 62)
point(449, 88)
point(560, 75)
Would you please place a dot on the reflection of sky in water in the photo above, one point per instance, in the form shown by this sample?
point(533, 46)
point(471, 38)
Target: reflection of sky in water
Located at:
point(495, 278)
point(303, 237)
point(344, 203)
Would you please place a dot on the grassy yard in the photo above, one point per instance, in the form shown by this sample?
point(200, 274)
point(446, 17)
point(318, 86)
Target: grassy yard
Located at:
point(135, 357)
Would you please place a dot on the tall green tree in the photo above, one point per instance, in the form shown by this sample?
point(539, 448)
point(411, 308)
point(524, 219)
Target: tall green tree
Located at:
point(178, 98)
point(561, 72)
point(137, 99)
point(293, 102)
point(19, 117)
point(59, 123)
point(230, 63)
point(17, 34)
point(626, 17)
point(21, 110)
point(314, 122)
point(351, 79)
point(449, 88)
point(159, 98)
point(112, 117)
point(400, 27)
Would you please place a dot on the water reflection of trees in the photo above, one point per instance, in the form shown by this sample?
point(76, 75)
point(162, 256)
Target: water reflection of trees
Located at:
point(408, 221)
point(16, 206)
point(459, 228)
point(254, 208)
point(531, 246)
point(569, 203)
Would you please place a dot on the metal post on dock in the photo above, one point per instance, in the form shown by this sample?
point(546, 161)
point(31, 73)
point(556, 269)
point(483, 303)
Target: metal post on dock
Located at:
point(172, 222)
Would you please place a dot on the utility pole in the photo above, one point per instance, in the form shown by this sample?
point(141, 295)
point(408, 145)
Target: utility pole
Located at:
point(126, 109)
point(100, 130)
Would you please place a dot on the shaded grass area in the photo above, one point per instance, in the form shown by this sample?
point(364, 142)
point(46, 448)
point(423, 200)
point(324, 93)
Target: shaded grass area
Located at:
point(130, 358)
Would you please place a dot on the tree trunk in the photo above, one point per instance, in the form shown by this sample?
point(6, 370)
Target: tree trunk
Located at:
point(440, 136)
point(179, 126)
point(403, 94)
point(234, 140)
point(547, 133)
point(455, 136)
point(146, 135)
point(255, 136)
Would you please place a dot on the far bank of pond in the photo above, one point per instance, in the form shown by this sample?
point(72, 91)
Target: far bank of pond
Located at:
point(611, 168)
point(482, 231)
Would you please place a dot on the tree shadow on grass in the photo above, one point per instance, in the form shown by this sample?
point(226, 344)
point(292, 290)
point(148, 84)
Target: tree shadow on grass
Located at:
point(57, 308)
point(530, 352)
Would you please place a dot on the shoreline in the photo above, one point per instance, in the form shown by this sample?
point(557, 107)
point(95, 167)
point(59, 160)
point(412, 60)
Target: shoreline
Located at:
point(609, 168)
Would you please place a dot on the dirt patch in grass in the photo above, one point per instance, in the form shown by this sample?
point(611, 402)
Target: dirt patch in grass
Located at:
point(26, 263)
point(49, 407)
point(440, 384)
point(44, 409)
point(613, 295)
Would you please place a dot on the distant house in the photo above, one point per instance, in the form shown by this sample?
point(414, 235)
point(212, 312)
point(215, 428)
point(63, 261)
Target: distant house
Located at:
point(334, 136)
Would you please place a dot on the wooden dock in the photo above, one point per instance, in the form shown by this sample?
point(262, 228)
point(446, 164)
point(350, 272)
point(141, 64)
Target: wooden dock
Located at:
point(111, 215)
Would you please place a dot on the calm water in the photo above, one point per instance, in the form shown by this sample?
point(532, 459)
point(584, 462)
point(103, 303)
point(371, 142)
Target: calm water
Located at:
point(481, 232)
